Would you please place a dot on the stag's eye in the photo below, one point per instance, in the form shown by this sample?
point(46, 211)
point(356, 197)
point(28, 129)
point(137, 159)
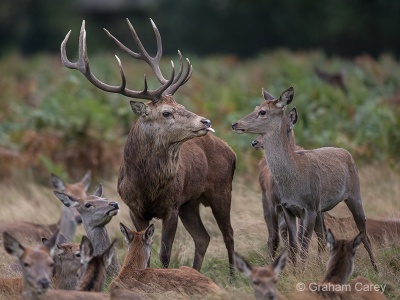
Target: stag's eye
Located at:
point(262, 112)
point(87, 205)
point(166, 114)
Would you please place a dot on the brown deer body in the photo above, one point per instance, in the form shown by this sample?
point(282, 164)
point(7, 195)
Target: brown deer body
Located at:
point(136, 277)
point(96, 212)
point(309, 181)
point(164, 173)
point(33, 233)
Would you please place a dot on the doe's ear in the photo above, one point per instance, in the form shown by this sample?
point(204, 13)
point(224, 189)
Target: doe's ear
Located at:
point(127, 233)
point(86, 249)
point(57, 183)
point(357, 241)
point(243, 266)
point(280, 263)
point(86, 180)
point(12, 246)
point(266, 95)
point(108, 254)
point(286, 98)
point(99, 191)
point(139, 108)
point(66, 199)
point(292, 117)
point(149, 232)
point(51, 243)
point(330, 240)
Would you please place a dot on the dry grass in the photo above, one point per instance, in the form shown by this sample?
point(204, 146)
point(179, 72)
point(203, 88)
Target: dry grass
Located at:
point(24, 200)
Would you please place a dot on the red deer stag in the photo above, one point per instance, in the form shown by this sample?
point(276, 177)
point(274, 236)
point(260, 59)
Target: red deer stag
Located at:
point(309, 181)
point(164, 173)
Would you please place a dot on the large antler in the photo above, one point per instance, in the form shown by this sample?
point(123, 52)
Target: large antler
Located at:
point(168, 87)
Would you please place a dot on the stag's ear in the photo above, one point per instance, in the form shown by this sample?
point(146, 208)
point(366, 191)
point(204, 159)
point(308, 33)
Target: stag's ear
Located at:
point(127, 233)
point(330, 240)
point(279, 263)
point(285, 98)
point(292, 117)
point(139, 108)
point(67, 200)
point(86, 180)
point(99, 191)
point(57, 183)
point(243, 266)
point(266, 95)
point(12, 246)
point(357, 241)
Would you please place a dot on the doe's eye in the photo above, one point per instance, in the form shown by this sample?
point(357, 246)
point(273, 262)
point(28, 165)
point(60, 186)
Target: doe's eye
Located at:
point(262, 112)
point(166, 114)
point(26, 265)
point(87, 205)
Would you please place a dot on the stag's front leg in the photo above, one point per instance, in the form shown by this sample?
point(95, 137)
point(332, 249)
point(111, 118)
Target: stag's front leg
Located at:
point(169, 225)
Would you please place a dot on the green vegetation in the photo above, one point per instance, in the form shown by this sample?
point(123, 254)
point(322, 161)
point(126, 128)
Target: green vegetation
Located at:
point(52, 117)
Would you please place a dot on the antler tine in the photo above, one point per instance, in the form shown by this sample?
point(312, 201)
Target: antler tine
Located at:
point(181, 80)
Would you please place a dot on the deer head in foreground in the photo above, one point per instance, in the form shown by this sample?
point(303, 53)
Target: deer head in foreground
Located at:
point(170, 164)
point(96, 213)
point(135, 276)
point(309, 181)
point(263, 279)
point(37, 263)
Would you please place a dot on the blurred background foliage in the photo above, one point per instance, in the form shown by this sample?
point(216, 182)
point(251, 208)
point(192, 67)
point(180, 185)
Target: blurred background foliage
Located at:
point(53, 120)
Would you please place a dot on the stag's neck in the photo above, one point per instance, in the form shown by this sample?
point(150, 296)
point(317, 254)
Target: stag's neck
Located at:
point(280, 156)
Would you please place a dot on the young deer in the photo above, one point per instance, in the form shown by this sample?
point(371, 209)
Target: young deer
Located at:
point(96, 212)
point(33, 233)
point(309, 181)
point(136, 277)
point(269, 192)
point(264, 279)
point(339, 268)
point(170, 164)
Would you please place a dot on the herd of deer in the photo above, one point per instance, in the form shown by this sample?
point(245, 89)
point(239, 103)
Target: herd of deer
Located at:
point(170, 166)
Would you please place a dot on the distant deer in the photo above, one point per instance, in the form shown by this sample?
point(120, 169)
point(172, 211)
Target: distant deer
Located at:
point(33, 233)
point(339, 268)
point(270, 194)
point(170, 164)
point(334, 79)
point(263, 279)
point(135, 275)
point(379, 230)
point(309, 181)
point(96, 212)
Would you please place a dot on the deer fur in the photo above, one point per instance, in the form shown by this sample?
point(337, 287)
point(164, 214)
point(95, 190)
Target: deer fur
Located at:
point(309, 181)
point(32, 233)
point(269, 193)
point(136, 277)
point(340, 267)
point(263, 279)
point(170, 165)
point(379, 230)
point(96, 212)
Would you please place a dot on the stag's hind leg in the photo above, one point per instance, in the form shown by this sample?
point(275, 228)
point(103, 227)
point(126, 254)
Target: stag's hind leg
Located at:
point(355, 206)
point(190, 217)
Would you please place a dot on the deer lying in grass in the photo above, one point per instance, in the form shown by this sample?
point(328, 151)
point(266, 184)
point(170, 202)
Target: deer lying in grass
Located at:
point(309, 181)
point(263, 279)
point(379, 230)
point(136, 277)
point(96, 212)
point(170, 164)
point(269, 192)
point(33, 233)
point(66, 265)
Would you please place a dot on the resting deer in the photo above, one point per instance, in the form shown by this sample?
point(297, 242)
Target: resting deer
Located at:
point(263, 279)
point(309, 181)
point(339, 268)
point(270, 195)
point(170, 164)
point(96, 212)
point(33, 233)
point(379, 230)
point(136, 277)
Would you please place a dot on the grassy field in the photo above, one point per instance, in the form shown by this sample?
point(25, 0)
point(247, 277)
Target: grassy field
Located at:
point(23, 200)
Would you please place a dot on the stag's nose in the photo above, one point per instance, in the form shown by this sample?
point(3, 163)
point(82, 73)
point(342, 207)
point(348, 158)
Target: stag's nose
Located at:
point(234, 126)
point(114, 204)
point(44, 283)
point(254, 143)
point(206, 122)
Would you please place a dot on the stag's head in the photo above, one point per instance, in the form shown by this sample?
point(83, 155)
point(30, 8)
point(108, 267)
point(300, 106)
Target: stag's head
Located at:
point(162, 112)
point(264, 279)
point(266, 117)
point(37, 263)
point(95, 210)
